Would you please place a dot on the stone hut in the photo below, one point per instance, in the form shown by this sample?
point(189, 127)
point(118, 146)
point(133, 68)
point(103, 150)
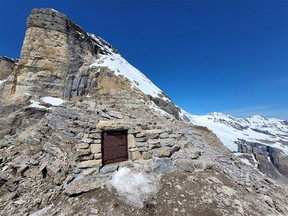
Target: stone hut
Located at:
point(115, 141)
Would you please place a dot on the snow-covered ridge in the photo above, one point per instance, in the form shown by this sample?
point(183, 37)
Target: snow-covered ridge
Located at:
point(267, 131)
point(115, 62)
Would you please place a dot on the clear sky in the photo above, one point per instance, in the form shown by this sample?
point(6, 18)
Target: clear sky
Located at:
point(224, 56)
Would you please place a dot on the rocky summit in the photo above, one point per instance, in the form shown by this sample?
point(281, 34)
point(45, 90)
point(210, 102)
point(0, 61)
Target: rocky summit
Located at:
point(83, 132)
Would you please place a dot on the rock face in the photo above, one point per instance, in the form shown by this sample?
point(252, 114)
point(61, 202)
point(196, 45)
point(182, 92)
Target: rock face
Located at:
point(7, 66)
point(54, 50)
point(51, 160)
point(56, 60)
point(271, 161)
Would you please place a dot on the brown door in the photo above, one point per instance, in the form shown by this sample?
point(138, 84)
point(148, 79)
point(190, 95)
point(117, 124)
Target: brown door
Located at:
point(114, 146)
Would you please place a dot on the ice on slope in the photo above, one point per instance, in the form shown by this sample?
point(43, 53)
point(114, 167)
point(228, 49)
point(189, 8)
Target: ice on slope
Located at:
point(2, 81)
point(220, 124)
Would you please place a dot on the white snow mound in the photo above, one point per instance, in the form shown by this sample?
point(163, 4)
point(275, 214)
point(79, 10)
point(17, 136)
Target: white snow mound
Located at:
point(135, 187)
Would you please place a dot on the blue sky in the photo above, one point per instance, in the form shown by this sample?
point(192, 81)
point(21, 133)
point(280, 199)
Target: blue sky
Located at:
point(224, 56)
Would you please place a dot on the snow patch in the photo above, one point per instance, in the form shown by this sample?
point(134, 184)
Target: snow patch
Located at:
point(158, 109)
point(135, 187)
point(255, 161)
point(53, 101)
point(120, 66)
point(2, 81)
point(49, 100)
point(246, 161)
point(36, 104)
point(54, 10)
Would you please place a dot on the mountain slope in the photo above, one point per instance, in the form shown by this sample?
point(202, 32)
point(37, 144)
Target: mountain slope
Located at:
point(255, 139)
point(60, 59)
point(68, 91)
point(115, 62)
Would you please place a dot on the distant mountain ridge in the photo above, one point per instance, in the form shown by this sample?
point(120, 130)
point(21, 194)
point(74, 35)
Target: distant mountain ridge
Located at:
point(260, 141)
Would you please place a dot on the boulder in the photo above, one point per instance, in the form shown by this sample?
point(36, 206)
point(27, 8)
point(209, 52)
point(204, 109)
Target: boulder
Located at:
point(184, 164)
point(109, 168)
point(85, 184)
point(164, 165)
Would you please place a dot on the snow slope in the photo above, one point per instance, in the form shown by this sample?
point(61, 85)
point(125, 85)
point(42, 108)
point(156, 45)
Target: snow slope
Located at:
point(115, 62)
point(270, 132)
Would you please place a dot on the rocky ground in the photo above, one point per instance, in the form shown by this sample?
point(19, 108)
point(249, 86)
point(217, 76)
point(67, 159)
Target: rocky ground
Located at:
point(39, 160)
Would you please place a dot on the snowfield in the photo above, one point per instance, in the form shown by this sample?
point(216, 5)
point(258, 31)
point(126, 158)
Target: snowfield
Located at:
point(270, 132)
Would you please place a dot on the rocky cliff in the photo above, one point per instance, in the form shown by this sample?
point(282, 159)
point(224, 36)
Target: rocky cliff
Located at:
point(7, 66)
point(56, 60)
point(70, 86)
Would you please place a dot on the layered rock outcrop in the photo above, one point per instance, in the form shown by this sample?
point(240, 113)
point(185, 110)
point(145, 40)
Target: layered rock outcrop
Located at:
point(56, 60)
point(54, 49)
point(7, 66)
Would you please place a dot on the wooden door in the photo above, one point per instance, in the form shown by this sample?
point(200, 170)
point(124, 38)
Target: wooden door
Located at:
point(114, 146)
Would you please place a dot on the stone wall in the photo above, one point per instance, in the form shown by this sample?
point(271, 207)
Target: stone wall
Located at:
point(144, 143)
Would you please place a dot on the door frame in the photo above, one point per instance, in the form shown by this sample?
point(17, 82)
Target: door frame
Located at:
point(125, 131)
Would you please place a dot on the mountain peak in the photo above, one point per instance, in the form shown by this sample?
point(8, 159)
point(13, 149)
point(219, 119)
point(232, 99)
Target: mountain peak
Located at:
point(61, 59)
